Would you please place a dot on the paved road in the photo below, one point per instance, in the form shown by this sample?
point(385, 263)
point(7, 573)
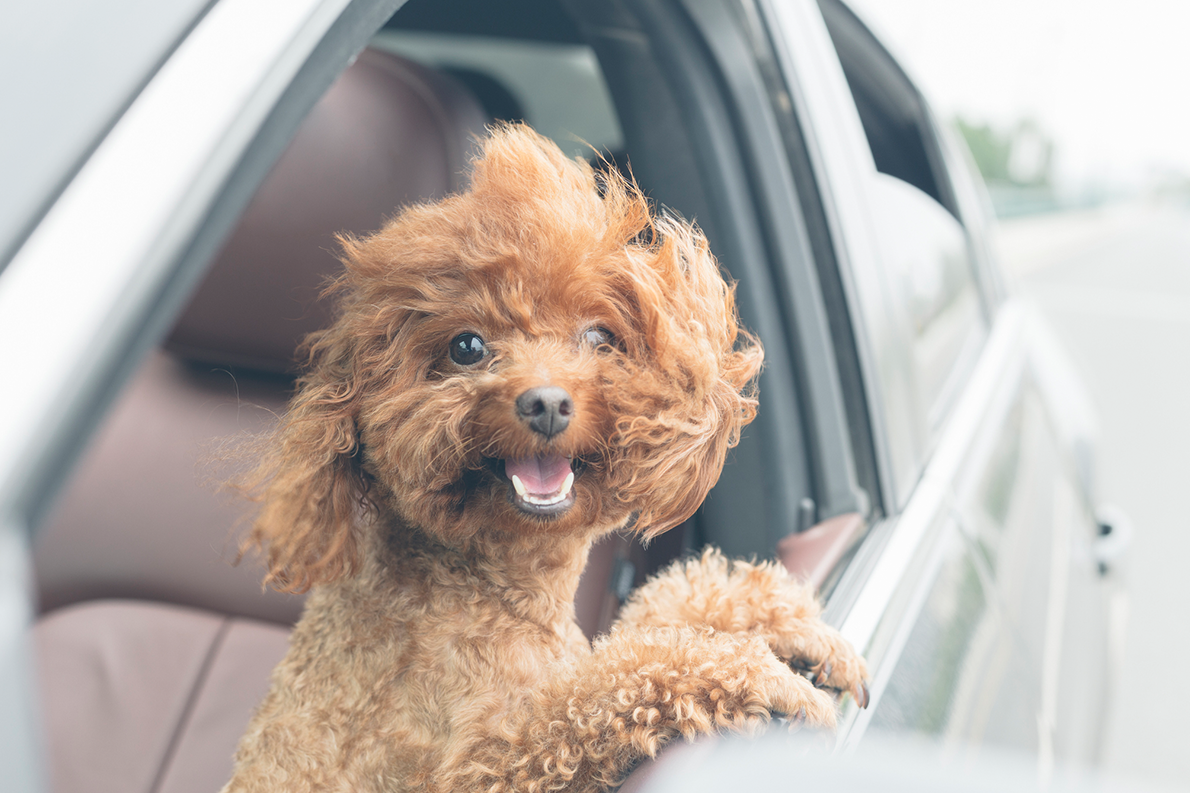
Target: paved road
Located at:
point(1116, 286)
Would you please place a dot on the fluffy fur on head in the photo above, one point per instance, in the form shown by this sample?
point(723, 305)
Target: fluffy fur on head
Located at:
point(570, 281)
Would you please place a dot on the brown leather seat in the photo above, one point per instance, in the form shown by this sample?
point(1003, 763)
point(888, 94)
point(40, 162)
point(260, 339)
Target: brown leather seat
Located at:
point(152, 648)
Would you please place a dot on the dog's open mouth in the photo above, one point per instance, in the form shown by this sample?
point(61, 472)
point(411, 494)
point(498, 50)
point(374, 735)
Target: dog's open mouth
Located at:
point(541, 485)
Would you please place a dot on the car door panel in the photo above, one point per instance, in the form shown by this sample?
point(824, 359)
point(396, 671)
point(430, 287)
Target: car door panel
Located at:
point(969, 647)
point(956, 678)
point(938, 639)
point(1024, 512)
point(965, 594)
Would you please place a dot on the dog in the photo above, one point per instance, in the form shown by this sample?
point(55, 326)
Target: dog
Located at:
point(514, 372)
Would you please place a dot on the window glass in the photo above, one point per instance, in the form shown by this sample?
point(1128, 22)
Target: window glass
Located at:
point(558, 88)
point(924, 250)
point(892, 111)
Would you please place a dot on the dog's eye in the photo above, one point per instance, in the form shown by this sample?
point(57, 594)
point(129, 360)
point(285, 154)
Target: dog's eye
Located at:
point(467, 349)
point(597, 337)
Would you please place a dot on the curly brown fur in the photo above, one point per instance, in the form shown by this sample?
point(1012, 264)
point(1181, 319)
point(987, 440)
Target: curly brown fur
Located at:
point(438, 649)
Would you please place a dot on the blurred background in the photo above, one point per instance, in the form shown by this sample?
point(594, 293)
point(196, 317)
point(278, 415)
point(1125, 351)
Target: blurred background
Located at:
point(1078, 115)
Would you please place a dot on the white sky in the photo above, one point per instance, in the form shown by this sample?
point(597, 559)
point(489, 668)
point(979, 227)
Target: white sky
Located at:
point(1108, 80)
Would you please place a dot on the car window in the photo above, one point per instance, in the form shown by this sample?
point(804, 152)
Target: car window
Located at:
point(558, 88)
point(894, 116)
point(925, 253)
point(612, 93)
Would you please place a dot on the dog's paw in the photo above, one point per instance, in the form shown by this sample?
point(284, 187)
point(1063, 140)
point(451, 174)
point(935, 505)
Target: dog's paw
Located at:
point(825, 658)
point(795, 699)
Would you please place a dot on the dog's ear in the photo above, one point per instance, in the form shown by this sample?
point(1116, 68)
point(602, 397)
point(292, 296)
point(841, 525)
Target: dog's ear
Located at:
point(310, 481)
point(694, 458)
point(700, 385)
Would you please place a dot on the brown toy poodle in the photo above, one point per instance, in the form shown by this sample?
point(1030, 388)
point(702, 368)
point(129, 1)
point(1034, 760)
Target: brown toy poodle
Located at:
point(514, 372)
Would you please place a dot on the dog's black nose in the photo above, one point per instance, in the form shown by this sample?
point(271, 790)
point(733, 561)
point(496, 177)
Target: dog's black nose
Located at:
point(547, 409)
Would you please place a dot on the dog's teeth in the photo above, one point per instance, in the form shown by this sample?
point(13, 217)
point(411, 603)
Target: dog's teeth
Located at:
point(542, 501)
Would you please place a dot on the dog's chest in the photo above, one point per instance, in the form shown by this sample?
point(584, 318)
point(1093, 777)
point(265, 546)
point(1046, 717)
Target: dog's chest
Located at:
point(434, 667)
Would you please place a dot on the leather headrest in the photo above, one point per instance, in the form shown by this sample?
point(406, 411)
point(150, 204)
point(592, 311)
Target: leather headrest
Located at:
point(388, 133)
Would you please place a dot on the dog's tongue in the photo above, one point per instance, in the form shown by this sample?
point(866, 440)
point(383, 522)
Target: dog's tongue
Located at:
point(540, 475)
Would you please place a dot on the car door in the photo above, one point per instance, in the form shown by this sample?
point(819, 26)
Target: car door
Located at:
point(976, 597)
point(841, 436)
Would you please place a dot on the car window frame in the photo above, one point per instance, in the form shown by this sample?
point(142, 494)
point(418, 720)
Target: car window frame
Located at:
point(877, 600)
point(747, 120)
point(870, 60)
point(904, 431)
point(840, 160)
point(680, 124)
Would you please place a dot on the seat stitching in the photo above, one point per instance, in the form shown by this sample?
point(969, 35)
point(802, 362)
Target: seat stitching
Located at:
point(200, 680)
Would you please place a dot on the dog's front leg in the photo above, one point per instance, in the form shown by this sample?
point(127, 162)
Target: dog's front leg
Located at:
point(641, 687)
point(756, 599)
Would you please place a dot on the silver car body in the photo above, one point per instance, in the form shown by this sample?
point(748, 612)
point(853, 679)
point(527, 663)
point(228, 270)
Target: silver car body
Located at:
point(967, 596)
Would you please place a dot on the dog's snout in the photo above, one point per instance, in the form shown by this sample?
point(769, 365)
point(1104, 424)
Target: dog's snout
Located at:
point(546, 409)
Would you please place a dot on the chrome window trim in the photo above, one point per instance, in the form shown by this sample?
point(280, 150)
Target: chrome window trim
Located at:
point(993, 383)
point(975, 206)
point(840, 155)
point(928, 558)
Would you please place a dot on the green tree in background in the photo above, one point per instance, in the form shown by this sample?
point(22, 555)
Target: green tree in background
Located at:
point(1017, 165)
point(989, 148)
point(1022, 157)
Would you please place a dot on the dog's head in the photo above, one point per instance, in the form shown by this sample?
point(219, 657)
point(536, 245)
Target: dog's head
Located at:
point(536, 355)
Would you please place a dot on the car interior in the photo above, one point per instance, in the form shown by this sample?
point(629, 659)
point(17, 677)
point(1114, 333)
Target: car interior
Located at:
point(152, 643)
